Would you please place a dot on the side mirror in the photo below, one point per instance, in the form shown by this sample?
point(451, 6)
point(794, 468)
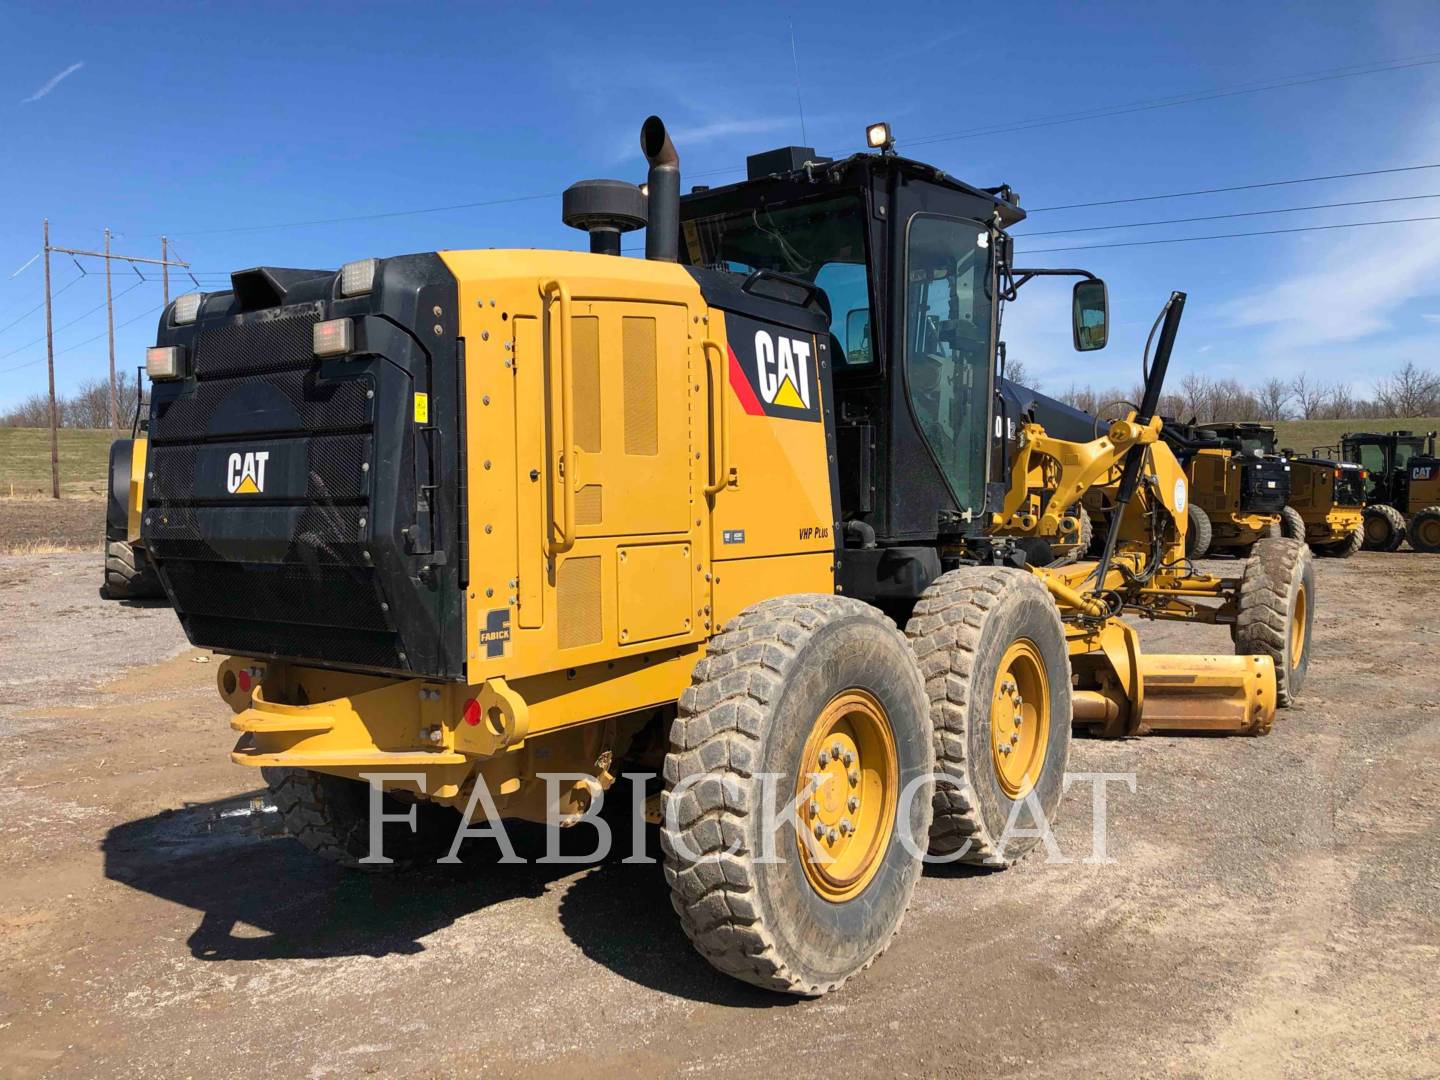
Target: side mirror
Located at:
point(857, 337)
point(1090, 313)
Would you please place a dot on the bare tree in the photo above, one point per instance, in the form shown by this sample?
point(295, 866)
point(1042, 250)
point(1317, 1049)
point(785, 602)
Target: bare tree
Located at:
point(1410, 391)
point(1273, 397)
point(1016, 372)
point(1198, 393)
point(1309, 395)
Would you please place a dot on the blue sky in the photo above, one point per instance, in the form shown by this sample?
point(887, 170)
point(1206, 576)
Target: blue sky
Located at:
point(188, 119)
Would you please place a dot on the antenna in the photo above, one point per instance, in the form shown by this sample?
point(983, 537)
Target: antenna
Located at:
point(799, 101)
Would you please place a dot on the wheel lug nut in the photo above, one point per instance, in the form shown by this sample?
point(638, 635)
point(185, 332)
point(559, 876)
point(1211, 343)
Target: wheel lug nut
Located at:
point(824, 758)
point(846, 828)
point(854, 777)
point(819, 832)
point(852, 804)
point(814, 808)
point(848, 758)
point(1014, 737)
point(833, 837)
point(835, 751)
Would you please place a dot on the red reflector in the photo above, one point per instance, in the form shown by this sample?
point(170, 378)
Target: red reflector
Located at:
point(243, 679)
point(472, 712)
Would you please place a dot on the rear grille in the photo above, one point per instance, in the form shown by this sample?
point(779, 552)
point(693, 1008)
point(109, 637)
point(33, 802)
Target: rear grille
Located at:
point(257, 345)
point(312, 405)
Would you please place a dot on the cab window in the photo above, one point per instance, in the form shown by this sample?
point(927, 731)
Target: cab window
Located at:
point(821, 241)
point(948, 346)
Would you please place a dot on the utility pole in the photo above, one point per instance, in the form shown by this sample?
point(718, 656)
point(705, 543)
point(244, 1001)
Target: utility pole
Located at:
point(110, 320)
point(164, 262)
point(50, 360)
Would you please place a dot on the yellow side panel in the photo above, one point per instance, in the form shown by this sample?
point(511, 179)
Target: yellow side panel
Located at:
point(778, 500)
point(135, 504)
point(1424, 487)
point(539, 602)
point(1209, 482)
point(742, 582)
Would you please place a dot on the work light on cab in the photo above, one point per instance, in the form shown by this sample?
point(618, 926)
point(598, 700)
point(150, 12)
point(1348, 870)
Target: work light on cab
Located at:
point(879, 137)
point(165, 361)
point(334, 337)
point(358, 277)
point(186, 309)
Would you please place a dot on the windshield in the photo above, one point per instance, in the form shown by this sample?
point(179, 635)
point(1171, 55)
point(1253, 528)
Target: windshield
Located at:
point(1255, 444)
point(821, 241)
point(948, 353)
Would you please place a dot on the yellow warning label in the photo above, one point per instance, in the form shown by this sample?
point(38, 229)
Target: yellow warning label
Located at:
point(422, 408)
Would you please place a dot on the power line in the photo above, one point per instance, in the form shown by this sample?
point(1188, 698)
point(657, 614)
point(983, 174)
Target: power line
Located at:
point(82, 344)
point(1227, 236)
point(1220, 217)
point(1306, 79)
point(1233, 187)
point(1351, 71)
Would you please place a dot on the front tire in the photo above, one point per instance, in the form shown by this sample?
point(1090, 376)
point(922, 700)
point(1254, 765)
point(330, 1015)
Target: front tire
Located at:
point(787, 683)
point(1199, 534)
point(129, 574)
point(1342, 549)
point(1292, 525)
point(986, 636)
point(1277, 612)
point(1384, 528)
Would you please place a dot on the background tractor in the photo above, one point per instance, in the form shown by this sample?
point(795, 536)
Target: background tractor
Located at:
point(128, 573)
point(1327, 497)
point(471, 522)
point(1403, 492)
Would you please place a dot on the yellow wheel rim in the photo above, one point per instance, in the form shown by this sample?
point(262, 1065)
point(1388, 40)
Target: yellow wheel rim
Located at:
point(1297, 627)
point(1430, 532)
point(1377, 530)
point(851, 769)
point(1020, 718)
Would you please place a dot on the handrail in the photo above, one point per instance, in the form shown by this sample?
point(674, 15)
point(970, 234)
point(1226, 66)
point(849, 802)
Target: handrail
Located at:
point(563, 471)
point(720, 459)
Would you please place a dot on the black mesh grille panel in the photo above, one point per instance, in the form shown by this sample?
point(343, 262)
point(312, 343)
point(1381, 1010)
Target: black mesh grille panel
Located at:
point(311, 535)
point(279, 594)
point(316, 405)
point(256, 346)
point(334, 645)
point(336, 470)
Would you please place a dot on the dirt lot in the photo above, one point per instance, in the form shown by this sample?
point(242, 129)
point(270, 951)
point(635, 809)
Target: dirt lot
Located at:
point(37, 525)
point(1273, 910)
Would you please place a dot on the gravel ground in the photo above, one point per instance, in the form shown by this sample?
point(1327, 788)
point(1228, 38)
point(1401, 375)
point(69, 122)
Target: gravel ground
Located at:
point(1273, 907)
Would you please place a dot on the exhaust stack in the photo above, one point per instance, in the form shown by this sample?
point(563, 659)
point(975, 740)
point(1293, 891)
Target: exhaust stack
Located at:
point(662, 234)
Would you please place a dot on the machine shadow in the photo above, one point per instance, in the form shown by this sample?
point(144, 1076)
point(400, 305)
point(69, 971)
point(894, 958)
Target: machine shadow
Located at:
point(262, 896)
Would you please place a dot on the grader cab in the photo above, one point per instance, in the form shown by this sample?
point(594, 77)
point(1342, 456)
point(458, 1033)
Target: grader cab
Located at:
point(484, 531)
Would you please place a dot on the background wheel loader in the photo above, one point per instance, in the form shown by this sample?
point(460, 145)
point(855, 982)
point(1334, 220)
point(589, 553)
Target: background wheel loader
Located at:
point(128, 573)
point(1327, 497)
point(497, 527)
point(1403, 493)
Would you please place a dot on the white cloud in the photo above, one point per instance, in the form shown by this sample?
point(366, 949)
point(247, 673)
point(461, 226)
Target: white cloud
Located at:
point(53, 82)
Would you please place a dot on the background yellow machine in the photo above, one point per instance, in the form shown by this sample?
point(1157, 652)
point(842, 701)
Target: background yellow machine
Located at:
point(467, 520)
point(1402, 494)
point(128, 573)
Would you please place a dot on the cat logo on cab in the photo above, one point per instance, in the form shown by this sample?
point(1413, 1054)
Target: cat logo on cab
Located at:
point(245, 473)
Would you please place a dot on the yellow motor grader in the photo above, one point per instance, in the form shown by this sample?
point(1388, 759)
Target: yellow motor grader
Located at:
point(490, 529)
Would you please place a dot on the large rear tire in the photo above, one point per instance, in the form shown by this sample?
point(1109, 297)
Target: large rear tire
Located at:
point(1199, 534)
point(129, 574)
point(1292, 525)
point(1277, 612)
point(1384, 528)
point(1424, 530)
point(997, 671)
point(785, 685)
point(330, 816)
